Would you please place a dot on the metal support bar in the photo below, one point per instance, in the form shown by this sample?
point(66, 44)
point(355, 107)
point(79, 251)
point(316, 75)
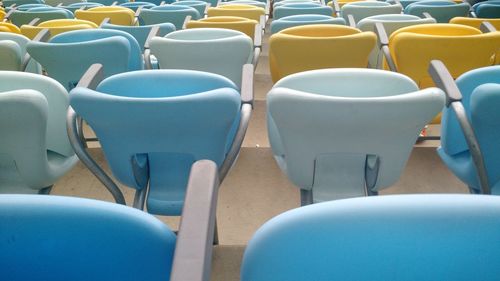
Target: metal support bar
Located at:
point(155, 31)
point(487, 27)
point(34, 21)
point(9, 13)
point(105, 21)
point(336, 8)
point(247, 87)
point(351, 21)
point(186, 20)
point(262, 22)
point(427, 15)
point(306, 197)
point(140, 198)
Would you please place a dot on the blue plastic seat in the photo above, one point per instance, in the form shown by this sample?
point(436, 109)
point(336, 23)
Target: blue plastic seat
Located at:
point(34, 148)
point(279, 24)
point(325, 138)
point(141, 32)
point(154, 124)
point(403, 237)
point(75, 6)
point(301, 9)
point(480, 98)
point(135, 5)
point(487, 9)
point(175, 14)
point(19, 3)
point(67, 56)
point(43, 13)
point(442, 10)
point(200, 6)
point(364, 9)
point(13, 53)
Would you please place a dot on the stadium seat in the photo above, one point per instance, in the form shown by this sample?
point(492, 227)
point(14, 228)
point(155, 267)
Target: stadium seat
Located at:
point(13, 54)
point(364, 9)
point(441, 10)
point(175, 14)
point(115, 14)
point(306, 8)
point(299, 20)
point(43, 13)
point(56, 27)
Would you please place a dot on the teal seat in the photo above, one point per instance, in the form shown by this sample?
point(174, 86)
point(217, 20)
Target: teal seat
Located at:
point(109, 2)
point(19, 3)
point(256, 3)
point(175, 14)
point(297, 20)
point(391, 23)
point(67, 56)
point(200, 6)
point(55, 3)
point(301, 9)
point(135, 5)
point(13, 53)
point(442, 10)
point(215, 50)
point(364, 9)
point(34, 148)
point(213, 3)
point(75, 6)
point(396, 237)
point(140, 33)
point(325, 138)
point(487, 9)
point(43, 13)
point(277, 4)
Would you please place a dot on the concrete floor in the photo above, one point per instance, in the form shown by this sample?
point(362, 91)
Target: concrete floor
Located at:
point(256, 190)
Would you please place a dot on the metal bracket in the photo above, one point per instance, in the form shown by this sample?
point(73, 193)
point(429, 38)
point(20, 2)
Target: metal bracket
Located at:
point(487, 27)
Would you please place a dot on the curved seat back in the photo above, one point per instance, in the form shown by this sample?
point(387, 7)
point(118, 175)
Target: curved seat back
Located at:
point(43, 13)
point(301, 9)
point(442, 10)
point(141, 33)
point(175, 14)
point(487, 9)
point(361, 10)
point(475, 22)
point(298, 20)
point(116, 14)
point(200, 6)
point(135, 5)
point(237, 10)
point(9, 27)
point(244, 25)
point(86, 5)
point(57, 27)
point(14, 52)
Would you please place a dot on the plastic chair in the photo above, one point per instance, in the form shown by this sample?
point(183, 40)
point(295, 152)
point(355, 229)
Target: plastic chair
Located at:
point(470, 126)
point(57, 27)
point(102, 239)
point(247, 26)
point(442, 10)
point(43, 13)
point(309, 47)
point(116, 14)
point(299, 20)
point(135, 5)
point(301, 9)
point(475, 22)
point(226, 51)
point(110, 2)
point(8, 3)
point(67, 56)
point(141, 33)
point(239, 10)
point(174, 118)
point(407, 237)
point(361, 10)
point(34, 148)
point(390, 23)
point(175, 14)
point(9, 27)
point(85, 5)
point(200, 6)
point(325, 139)
point(13, 54)
point(487, 9)
point(55, 3)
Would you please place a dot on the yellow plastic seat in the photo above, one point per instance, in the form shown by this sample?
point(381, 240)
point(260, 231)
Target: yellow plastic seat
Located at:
point(2, 14)
point(9, 27)
point(116, 14)
point(475, 22)
point(57, 27)
point(343, 2)
point(309, 47)
point(237, 10)
point(244, 25)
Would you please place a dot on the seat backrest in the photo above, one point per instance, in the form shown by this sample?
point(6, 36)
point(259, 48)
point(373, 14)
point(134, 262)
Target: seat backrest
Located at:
point(141, 33)
point(475, 22)
point(298, 20)
point(116, 14)
point(413, 237)
point(237, 10)
point(391, 23)
point(200, 6)
point(21, 41)
point(11, 56)
point(309, 47)
point(487, 9)
point(154, 124)
point(135, 5)
point(326, 135)
point(175, 14)
point(442, 10)
point(9, 27)
point(244, 25)
point(76, 6)
point(215, 50)
point(43, 13)
point(301, 9)
point(361, 10)
point(59, 238)
point(57, 27)
point(412, 48)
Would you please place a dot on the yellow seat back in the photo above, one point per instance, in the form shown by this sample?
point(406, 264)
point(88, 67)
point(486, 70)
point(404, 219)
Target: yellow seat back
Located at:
point(116, 14)
point(343, 2)
point(9, 27)
point(237, 10)
point(244, 25)
point(2, 15)
point(309, 47)
point(475, 22)
point(57, 26)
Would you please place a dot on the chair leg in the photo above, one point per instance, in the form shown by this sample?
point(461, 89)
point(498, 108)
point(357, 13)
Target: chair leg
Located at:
point(306, 197)
point(45, 190)
point(140, 198)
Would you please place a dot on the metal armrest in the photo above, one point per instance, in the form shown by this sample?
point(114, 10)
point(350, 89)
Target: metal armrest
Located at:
point(9, 13)
point(162, 3)
point(351, 20)
point(42, 36)
point(206, 8)
point(34, 21)
point(138, 12)
point(59, 5)
point(487, 27)
point(104, 21)
point(193, 250)
point(186, 20)
point(427, 15)
point(247, 84)
point(383, 42)
point(92, 77)
point(443, 80)
point(472, 14)
point(155, 31)
point(114, 3)
point(262, 22)
point(336, 8)
point(257, 37)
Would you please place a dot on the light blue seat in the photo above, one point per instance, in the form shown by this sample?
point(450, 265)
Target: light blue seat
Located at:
point(200, 6)
point(480, 91)
point(213, 3)
point(67, 56)
point(364, 9)
point(135, 5)
point(226, 51)
point(55, 3)
point(140, 33)
point(13, 53)
point(285, 2)
point(297, 20)
point(43, 13)
point(487, 9)
point(442, 10)
point(34, 148)
point(391, 23)
point(256, 3)
point(109, 2)
point(154, 124)
point(397, 237)
point(325, 138)
point(75, 6)
point(175, 14)
point(19, 3)
point(301, 9)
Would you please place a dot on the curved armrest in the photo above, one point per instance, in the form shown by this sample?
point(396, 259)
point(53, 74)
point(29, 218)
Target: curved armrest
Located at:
point(193, 250)
point(155, 31)
point(351, 21)
point(42, 36)
point(487, 27)
point(383, 42)
point(9, 13)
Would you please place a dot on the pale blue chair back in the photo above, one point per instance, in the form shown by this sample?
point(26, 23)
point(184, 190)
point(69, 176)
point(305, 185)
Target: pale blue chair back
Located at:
point(364, 9)
point(480, 89)
point(154, 124)
point(75, 6)
point(215, 50)
point(34, 147)
point(200, 6)
point(13, 51)
point(286, 2)
point(213, 3)
point(487, 9)
point(442, 10)
point(247, 2)
point(68, 55)
point(55, 3)
point(175, 14)
point(301, 9)
point(140, 33)
point(135, 5)
point(398, 237)
point(65, 238)
point(297, 20)
point(325, 138)
point(109, 2)
point(391, 23)
point(43, 13)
